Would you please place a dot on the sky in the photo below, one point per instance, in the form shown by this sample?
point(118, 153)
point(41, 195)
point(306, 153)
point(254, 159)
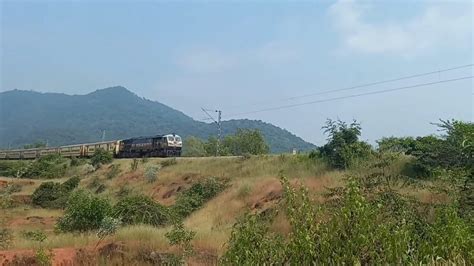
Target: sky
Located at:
point(244, 56)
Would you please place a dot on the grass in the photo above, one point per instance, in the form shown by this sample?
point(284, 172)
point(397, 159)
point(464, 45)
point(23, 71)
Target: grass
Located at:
point(252, 181)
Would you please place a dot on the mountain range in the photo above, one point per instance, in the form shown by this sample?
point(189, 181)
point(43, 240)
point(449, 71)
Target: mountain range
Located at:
point(59, 119)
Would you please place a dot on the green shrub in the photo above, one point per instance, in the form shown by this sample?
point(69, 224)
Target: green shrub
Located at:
point(14, 168)
point(77, 161)
point(47, 195)
point(140, 209)
point(344, 149)
point(49, 166)
point(181, 238)
point(53, 194)
point(35, 235)
point(84, 212)
point(100, 157)
point(198, 194)
point(70, 184)
point(251, 243)
point(6, 238)
point(362, 224)
point(6, 201)
point(109, 226)
point(151, 173)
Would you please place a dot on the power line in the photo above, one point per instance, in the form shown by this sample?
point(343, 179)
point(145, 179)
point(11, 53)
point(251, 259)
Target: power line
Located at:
point(357, 86)
point(349, 96)
point(219, 126)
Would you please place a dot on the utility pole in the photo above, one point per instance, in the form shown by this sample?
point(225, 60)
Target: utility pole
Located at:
point(218, 124)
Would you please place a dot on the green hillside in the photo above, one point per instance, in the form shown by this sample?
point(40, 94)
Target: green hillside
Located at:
point(59, 119)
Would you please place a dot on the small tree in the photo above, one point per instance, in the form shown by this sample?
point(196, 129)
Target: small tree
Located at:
point(180, 237)
point(344, 147)
point(84, 212)
point(194, 147)
point(100, 157)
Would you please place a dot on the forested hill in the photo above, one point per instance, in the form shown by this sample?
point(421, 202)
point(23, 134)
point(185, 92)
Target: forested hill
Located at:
point(27, 117)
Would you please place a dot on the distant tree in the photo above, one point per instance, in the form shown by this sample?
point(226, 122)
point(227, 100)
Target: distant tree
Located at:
point(101, 156)
point(37, 144)
point(343, 148)
point(244, 141)
point(194, 147)
point(395, 144)
point(248, 141)
point(211, 147)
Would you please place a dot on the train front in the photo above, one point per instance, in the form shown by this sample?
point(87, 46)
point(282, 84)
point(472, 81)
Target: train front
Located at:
point(175, 144)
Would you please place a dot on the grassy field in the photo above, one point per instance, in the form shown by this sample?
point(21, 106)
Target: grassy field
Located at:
point(254, 186)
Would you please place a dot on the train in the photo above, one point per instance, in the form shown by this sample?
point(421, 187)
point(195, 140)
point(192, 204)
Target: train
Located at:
point(168, 145)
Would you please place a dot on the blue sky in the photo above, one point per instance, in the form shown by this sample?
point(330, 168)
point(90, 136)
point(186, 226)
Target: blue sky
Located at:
point(243, 56)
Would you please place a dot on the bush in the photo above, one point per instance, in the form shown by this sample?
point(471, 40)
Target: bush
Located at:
point(181, 238)
point(6, 238)
point(53, 194)
point(151, 173)
point(193, 198)
point(70, 184)
point(84, 212)
point(100, 157)
point(47, 195)
point(140, 209)
point(49, 166)
point(343, 149)
point(359, 225)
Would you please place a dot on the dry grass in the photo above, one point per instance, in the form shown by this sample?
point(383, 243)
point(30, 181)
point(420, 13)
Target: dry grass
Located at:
point(254, 184)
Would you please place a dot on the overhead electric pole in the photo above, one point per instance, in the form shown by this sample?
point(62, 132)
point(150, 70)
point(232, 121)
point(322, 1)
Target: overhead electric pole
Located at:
point(218, 124)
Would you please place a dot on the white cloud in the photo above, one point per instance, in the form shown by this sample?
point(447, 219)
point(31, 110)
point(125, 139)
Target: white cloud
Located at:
point(274, 52)
point(207, 61)
point(433, 27)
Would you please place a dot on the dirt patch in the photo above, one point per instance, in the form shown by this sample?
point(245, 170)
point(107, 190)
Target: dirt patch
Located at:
point(21, 199)
point(3, 184)
point(166, 193)
point(33, 221)
point(61, 257)
point(266, 195)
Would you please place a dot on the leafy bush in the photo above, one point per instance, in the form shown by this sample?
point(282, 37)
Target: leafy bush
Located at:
point(13, 168)
point(70, 184)
point(151, 173)
point(193, 147)
point(53, 194)
point(343, 149)
point(48, 195)
point(84, 212)
point(35, 235)
point(193, 198)
point(100, 157)
point(49, 166)
point(251, 243)
point(6, 237)
point(180, 237)
point(140, 209)
point(109, 226)
point(360, 224)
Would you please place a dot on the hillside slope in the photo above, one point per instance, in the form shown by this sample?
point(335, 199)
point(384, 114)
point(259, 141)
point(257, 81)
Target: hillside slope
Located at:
point(59, 119)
